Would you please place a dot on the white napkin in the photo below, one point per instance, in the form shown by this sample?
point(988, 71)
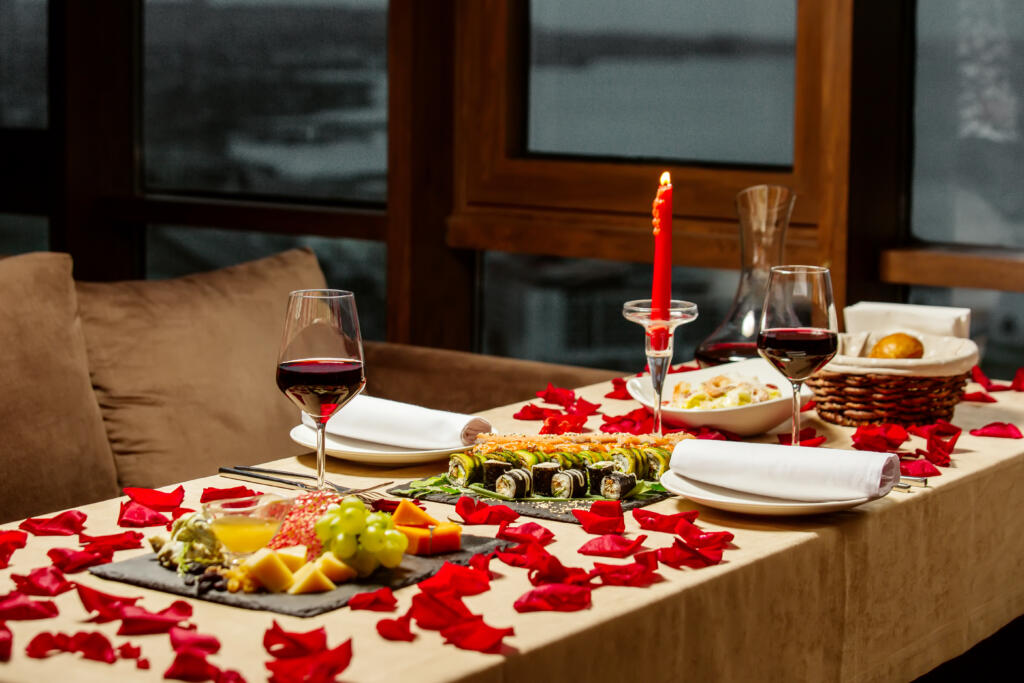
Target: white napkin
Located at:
point(403, 424)
point(878, 316)
point(787, 472)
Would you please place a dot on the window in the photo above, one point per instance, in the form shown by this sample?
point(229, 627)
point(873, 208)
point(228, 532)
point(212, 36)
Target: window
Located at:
point(23, 64)
point(20, 234)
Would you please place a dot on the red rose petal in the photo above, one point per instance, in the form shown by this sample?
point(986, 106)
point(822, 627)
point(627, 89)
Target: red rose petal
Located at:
point(582, 407)
point(1018, 380)
point(482, 563)
point(810, 405)
point(136, 515)
point(563, 424)
point(475, 511)
point(1002, 430)
point(612, 545)
point(45, 644)
point(396, 629)
point(142, 663)
point(457, 579)
point(71, 561)
point(229, 676)
point(47, 581)
point(635, 574)
point(6, 642)
point(129, 651)
point(532, 411)
point(285, 644)
point(637, 421)
point(156, 500)
point(680, 554)
point(93, 646)
point(10, 541)
point(656, 521)
point(184, 639)
point(531, 532)
point(126, 540)
point(619, 390)
point(391, 504)
point(137, 620)
point(67, 523)
point(107, 607)
point(978, 376)
point(545, 568)
point(918, 468)
point(979, 397)
point(320, 667)
point(603, 517)
point(213, 493)
point(191, 665)
point(880, 437)
point(436, 611)
point(554, 597)
point(474, 634)
point(16, 606)
point(557, 395)
point(809, 438)
point(380, 600)
point(516, 555)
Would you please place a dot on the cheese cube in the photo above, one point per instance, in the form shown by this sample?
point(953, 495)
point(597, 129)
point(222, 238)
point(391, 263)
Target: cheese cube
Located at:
point(269, 569)
point(445, 537)
point(309, 579)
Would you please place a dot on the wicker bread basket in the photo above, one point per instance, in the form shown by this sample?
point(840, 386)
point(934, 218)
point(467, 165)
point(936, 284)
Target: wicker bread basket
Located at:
point(855, 390)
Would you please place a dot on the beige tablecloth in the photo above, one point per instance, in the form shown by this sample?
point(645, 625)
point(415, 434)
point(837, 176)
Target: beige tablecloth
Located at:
point(885, 591)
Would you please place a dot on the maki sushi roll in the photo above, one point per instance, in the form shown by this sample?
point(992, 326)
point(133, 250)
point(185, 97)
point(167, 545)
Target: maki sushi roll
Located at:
point(492, 470)
point(618, 485)
point(569, 484)
point(629, 461)
point(514, 484)
point(657, 462)
point(596, 472)
point(465, 469)
point(542, 474)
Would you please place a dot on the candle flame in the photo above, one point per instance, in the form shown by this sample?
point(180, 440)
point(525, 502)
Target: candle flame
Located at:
point(666, 179)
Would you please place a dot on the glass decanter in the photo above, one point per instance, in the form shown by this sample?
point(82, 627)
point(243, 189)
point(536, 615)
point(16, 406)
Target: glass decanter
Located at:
point(764, 212)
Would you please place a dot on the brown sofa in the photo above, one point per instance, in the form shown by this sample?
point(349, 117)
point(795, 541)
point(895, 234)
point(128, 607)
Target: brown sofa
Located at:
point(145, 383)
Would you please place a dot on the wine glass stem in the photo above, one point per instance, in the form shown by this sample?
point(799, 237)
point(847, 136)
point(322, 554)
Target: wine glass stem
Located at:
point(658, 365)
point(796, 414)
point(321, 455)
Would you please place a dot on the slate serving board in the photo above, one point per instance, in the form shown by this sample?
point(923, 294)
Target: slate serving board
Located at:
point(145, 571)
point(554, 510)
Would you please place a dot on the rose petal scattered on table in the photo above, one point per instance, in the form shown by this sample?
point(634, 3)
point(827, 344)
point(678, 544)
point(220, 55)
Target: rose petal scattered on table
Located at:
point(514, 556)
point(810, 405)
point(557, 395)
point(15, 606)
point(939, 450)
point(1018, 380)
point(880, 437)
point(229, 676)
point(612, 545)
point(128, 651)
point(979, 397)
point(45, 644)
point(287, 644)
point(679, 554)
point(134, 514)
point(918, 468)
point(10, 541)
point(581, 406)
point(554, 597)
point(563, 424)
point(44, 581)
point(940, 427)
point(475, 511)
point(391, 504)
point(978, 376)
point(809, 438)
point(475, 634)
point(709, 433)
point(126, 540)
point(635, 574)
point(107, 607)
point(619, 390)
point(532, 411)
point(183, 639)
point(456, 579)
point(482, 562)
point(656, 521)
point(545, 568)
point(1002, 430)
point(156, 500)
point(67, 523)
point(380, 600)
point(603, 517)
point(93, 645)
point(396, 629)
point(320, 667)
point(525, 533)
point(211, 493)
point(710, 540)
point(137, 620)
point(191, 665)
point(435, 611)
point(71, 561)
point(637, 421)
point(6, 642)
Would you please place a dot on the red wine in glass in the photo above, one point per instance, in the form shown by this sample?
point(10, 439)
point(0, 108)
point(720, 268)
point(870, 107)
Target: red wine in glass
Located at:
point(318, 386)
point(797, 352)
point(725, 352)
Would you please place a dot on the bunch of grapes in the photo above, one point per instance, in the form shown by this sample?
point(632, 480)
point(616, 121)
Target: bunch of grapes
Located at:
point(362, 539)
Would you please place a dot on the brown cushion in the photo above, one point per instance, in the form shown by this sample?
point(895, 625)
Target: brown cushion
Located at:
point(184, 368)
point(463, 382)
point(53, 448)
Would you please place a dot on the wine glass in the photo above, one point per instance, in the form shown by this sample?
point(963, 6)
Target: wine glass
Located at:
point(798, 326)
point(320, 364)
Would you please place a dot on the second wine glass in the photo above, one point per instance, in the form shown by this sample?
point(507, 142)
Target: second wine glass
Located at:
point(320, 364)
point(799, 328)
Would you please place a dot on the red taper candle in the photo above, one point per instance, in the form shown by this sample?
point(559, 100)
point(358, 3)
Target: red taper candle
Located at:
point(661, 284)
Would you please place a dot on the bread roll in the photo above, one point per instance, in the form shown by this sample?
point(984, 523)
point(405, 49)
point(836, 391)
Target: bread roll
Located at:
point(898, 345)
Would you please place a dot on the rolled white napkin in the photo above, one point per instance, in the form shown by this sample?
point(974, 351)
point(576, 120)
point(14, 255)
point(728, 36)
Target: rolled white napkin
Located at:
point(402, 424)
point(878, 316)
point(787, 472)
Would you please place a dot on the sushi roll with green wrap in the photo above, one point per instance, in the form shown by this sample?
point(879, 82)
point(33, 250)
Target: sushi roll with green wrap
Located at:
point(657, 462)
point(595, 473)
point(629, 460)
point(514, 484)
point(570, 483)
point(618, 485)
point(493, 469)
point(527, 459)
point(465, 469)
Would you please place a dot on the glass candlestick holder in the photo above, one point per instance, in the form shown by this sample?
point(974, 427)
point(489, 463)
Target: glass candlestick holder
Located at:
point(658, 333)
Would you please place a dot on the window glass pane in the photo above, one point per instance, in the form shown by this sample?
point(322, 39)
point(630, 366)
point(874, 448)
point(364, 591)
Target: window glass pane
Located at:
point(968, 146)
point(356, 265)
point(997, 323)
point(271, 98)
point(23, 64)
point(20, 234)
point(570, 310)
point(704, 81)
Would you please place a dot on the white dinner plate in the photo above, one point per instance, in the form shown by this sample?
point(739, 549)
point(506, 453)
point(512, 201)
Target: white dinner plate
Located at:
point(369, 452)
point(749, 503)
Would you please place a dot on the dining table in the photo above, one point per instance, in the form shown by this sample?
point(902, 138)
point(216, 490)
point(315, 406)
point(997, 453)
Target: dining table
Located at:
point(883, 591)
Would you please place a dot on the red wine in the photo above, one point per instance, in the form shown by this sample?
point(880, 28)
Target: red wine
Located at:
point(320, 386)
point(725, 352)
point(797, 352)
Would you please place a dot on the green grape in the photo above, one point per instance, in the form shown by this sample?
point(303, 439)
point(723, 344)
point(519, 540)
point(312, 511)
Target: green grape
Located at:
point(344, 545)
point(395, 540)
point(381, 519)
point(389, 557)
point(351, 520)
point(324, 528)
point(352, 502)
point(332, 508)
point(372, 538)
point(364, 562)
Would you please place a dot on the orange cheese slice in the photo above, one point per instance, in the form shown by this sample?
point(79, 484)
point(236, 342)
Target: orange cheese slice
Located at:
point(409, 514)
point(444, 537)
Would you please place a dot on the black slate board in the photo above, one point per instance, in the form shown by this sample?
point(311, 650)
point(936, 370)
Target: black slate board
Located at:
point(554, 510)
point(145, 571)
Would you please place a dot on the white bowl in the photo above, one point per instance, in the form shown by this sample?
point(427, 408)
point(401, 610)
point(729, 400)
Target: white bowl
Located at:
point(748, 420)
